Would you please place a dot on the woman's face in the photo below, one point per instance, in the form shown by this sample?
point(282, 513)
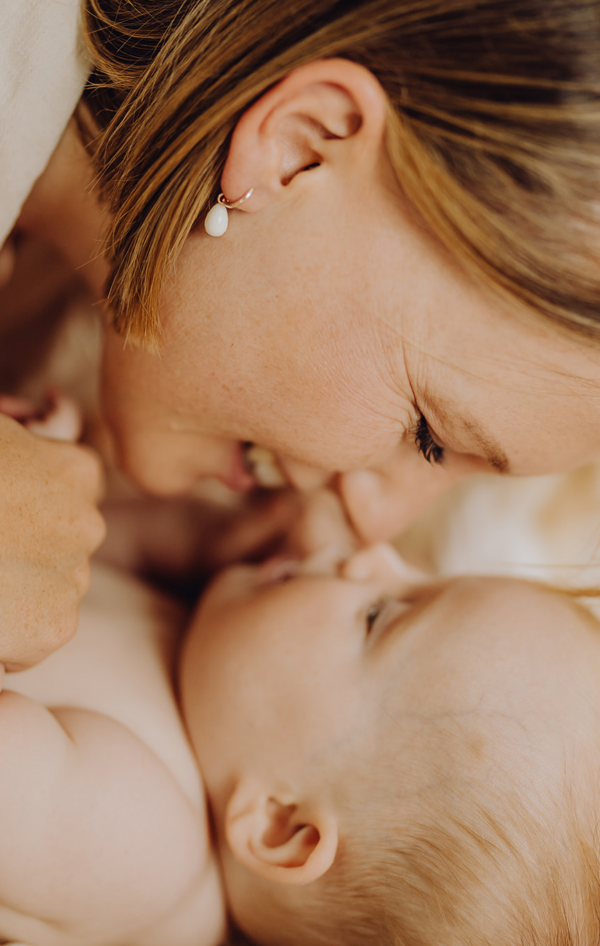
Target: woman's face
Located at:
point(326, 327)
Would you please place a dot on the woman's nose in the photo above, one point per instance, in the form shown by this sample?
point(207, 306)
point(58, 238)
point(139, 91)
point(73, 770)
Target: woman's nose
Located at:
point(382, 502)
point(380, 564)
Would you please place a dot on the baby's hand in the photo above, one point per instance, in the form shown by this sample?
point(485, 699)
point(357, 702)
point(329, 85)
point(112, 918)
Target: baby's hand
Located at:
point(60, 419)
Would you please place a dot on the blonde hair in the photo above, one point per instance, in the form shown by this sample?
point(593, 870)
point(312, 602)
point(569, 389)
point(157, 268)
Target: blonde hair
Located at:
point(465, 870)
point(494, 128)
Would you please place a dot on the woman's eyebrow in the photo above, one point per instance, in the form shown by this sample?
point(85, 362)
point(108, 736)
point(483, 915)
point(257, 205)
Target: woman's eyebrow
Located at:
point(492, 451)
point(490, 448)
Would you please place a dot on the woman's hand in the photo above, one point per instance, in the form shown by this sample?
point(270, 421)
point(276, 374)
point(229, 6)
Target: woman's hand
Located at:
point(49, 527)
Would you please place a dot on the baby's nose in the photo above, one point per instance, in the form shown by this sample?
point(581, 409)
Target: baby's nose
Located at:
point(381, 564)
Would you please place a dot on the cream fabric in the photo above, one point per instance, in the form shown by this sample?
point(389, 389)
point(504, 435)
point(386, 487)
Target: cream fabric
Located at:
point(540, 528)
point(43, 68)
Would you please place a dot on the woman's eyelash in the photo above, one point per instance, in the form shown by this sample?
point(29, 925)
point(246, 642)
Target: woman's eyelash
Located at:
point(424, 442)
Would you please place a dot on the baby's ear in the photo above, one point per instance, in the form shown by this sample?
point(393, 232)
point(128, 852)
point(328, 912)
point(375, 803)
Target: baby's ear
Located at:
point(280, 840)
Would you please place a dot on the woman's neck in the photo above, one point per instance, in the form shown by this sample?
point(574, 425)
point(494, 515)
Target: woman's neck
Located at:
point(64, 209)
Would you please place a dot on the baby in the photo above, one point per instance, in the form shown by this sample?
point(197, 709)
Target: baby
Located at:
point(387, 761)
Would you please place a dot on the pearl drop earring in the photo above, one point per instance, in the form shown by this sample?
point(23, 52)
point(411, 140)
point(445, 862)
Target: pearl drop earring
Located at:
point(217, 218)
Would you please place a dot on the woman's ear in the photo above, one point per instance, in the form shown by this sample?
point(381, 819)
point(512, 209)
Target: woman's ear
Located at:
point(279, 840)
point(329, 113)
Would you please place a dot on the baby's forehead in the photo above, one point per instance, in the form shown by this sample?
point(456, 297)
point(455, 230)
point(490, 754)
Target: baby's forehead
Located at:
point(506, 645)
point(506, 688)
point(498, 609)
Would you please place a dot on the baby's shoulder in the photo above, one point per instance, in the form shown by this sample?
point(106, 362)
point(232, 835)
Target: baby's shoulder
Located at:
point(122, 810)
point(120, 664)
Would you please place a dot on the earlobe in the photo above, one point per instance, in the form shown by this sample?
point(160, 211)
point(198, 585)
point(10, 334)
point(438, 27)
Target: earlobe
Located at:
point(327, 113)
point(280, 841)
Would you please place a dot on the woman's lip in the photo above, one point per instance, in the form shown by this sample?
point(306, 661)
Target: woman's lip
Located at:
point(238, 478)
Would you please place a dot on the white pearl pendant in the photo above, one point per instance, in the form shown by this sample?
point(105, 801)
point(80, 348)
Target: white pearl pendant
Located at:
point(216, 220)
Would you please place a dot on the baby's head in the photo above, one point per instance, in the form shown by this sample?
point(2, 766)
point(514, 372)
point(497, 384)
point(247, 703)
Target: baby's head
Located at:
point(396, 762)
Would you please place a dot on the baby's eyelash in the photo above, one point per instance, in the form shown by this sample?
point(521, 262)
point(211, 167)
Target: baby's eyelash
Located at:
point(382, 614)
point(424, 442)
point(372, 614)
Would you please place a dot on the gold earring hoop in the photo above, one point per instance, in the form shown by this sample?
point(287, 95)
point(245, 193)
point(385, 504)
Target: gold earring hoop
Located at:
point(217, 218)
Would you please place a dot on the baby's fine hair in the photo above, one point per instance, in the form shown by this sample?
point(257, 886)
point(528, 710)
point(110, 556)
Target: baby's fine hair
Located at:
point(463, 869)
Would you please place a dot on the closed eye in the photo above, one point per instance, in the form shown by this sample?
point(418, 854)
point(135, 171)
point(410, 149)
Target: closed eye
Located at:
point(372, 614)
point(381, 614)
point(424, 442)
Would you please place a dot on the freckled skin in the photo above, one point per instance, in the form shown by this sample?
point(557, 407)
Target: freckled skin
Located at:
point(313, 332)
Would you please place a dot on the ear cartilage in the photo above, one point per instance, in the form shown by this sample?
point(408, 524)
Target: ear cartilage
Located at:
point(217, 218)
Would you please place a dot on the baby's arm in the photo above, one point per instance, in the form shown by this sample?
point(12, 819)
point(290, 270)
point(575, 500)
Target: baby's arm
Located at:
point(96, 834)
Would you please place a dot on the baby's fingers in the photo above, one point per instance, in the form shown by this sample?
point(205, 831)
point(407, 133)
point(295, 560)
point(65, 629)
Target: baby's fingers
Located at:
point(62, 422)
point(61, 418)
